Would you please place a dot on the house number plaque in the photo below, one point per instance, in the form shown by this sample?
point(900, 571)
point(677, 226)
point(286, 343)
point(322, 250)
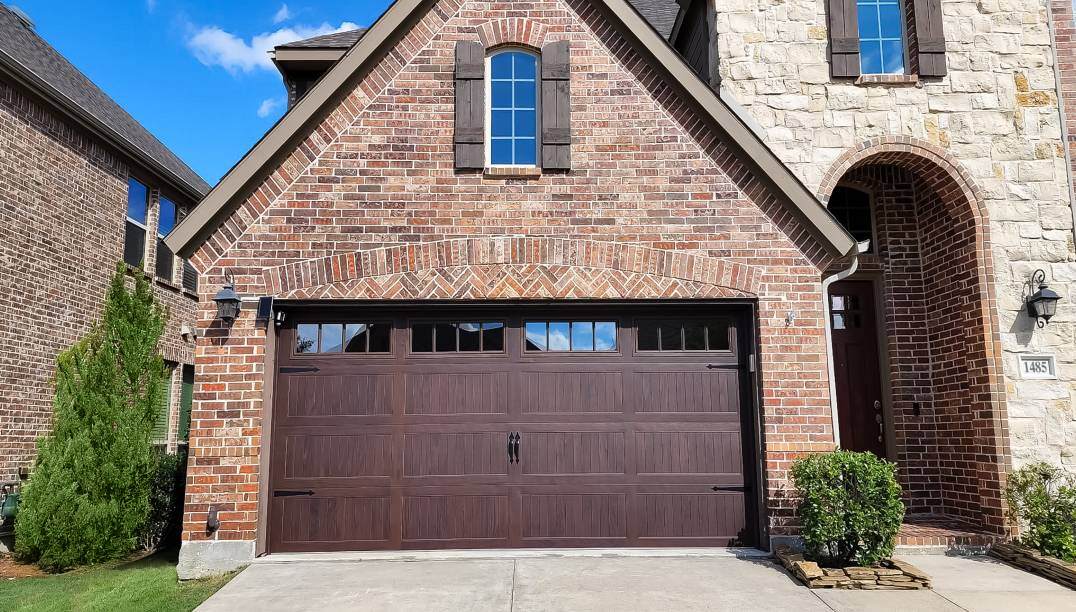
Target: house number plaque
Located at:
point(1037, 367)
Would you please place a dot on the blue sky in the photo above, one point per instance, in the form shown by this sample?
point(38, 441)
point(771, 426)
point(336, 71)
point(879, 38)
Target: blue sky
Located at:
point(194, 72)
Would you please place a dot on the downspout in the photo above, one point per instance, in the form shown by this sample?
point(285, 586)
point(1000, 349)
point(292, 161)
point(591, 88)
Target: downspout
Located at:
point(826, 282)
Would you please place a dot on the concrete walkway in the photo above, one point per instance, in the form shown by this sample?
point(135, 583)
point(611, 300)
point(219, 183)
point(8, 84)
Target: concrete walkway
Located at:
point(585, 583)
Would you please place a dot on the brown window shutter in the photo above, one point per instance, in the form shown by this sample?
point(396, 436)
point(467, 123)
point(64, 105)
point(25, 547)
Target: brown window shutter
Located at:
point(930, 39)
point(843, 38)
point(556, 107)
point(470, 105)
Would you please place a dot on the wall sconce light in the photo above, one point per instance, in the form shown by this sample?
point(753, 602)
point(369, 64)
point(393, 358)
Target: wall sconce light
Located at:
point(228, 301)
point(1041, 305)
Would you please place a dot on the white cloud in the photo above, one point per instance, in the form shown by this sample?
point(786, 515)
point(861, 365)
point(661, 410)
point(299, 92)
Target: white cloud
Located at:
point(215, 47)
point(151, 5)
point(269, 105)
point(283, 14)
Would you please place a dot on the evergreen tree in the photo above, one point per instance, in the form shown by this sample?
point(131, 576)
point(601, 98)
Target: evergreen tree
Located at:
point(88, 497)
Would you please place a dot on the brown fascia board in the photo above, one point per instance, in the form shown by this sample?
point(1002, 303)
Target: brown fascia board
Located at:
point(68, 107)
point(200, 222)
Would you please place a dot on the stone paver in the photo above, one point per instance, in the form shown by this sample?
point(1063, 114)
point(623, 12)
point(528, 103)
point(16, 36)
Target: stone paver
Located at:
point(638, 584)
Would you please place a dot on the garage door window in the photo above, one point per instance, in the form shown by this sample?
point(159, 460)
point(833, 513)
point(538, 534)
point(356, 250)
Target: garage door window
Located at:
point(457, 337)
point(571, 336)
point(343, 338)
point(684, 336)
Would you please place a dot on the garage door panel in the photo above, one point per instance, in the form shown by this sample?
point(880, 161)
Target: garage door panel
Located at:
point(455, 454)
point(686, 391)
point(554, 453)
point(448, 518)
point(552, 516)
point(456, 393)
point(339, 395)
point(338, 455)
point(343, 519)
point(689, 516)
point(688, 452)
point(571, 392)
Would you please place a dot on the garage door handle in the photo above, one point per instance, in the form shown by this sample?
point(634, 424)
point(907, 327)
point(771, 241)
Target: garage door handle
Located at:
point(291, 493)
point(513, 447)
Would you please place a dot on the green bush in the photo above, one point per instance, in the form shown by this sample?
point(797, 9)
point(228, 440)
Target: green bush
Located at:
point(165, 521)
point(1042, 501)
point(88, 497)
point(850, 508)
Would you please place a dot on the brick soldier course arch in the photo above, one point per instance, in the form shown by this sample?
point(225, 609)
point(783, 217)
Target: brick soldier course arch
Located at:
point(514, 268)
point(514, 31)
point(944, 350)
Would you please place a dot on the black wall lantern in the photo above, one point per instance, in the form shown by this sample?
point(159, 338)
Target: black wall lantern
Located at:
point(1041, 305)
point(227, 301)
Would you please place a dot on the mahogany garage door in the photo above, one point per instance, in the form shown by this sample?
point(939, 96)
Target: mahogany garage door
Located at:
point(511, 426)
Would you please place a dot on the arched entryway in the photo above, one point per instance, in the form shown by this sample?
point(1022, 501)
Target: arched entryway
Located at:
point(921, 305)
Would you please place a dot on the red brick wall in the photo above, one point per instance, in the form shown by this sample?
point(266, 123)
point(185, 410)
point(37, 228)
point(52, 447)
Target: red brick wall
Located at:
point(377, 173)
point(1065, 49)
point(63, 200)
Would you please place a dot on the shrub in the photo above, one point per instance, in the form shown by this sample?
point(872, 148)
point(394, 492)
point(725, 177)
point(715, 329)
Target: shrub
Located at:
point(165, 521)
point(850, 508)
point(88, 497)
point(1042, 500)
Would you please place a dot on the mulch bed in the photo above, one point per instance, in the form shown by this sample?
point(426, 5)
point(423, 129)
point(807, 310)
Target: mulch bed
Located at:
point(1033, 561)
point(888, 575)
point(12, 570)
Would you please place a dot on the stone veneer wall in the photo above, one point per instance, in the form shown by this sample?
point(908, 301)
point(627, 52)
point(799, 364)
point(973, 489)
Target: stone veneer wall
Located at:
point(63, 201)
point(996, 113)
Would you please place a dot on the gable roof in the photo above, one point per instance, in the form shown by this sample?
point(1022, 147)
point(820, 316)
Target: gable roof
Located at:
point(336, 40)
point(659, 13)
point(32, 62)
point(190, 234)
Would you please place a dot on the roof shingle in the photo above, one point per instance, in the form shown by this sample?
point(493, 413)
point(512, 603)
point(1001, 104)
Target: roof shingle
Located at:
point(660, 13)
point(27, 54)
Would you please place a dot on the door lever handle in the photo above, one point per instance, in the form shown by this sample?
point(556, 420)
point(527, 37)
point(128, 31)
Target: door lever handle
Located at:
point(517, 446)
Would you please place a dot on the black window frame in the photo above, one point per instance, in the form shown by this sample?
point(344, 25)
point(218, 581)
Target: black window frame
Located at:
point(135, 228)
point(434, 323)
point(343, 353)
point(571, 321)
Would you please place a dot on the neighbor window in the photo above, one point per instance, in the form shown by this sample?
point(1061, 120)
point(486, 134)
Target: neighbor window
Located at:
point(166, 222)
point(881, 37)
point(571, 336)
point(186, 402)
point(134, 244)
point(513, 111)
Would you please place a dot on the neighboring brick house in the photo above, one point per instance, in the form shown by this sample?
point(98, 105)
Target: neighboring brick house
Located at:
point(540, 280)
point(82, 186)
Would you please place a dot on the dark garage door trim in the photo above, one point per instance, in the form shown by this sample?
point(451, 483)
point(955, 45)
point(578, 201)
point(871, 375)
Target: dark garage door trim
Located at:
point(744, 311)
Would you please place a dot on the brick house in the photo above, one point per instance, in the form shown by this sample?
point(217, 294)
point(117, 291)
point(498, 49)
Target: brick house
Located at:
point(82, 186)
point(594, 273)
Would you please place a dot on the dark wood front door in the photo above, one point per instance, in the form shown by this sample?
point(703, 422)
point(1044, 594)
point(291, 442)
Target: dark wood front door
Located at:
point(855, 355)
point(505, 426)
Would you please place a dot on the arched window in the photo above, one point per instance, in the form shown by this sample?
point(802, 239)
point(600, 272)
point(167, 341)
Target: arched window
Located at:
point(512, 117)
point(852, 208)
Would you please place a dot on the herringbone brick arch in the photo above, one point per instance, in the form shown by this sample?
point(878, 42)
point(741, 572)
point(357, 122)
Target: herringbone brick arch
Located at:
point(510, 268)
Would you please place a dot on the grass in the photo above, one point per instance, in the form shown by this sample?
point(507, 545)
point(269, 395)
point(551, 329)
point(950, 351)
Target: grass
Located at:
point(146, 584)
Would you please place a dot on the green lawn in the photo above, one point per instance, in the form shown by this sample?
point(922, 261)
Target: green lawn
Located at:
point(147, 584)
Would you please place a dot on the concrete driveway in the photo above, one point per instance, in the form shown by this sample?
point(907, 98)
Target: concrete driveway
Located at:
point(613, 582)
